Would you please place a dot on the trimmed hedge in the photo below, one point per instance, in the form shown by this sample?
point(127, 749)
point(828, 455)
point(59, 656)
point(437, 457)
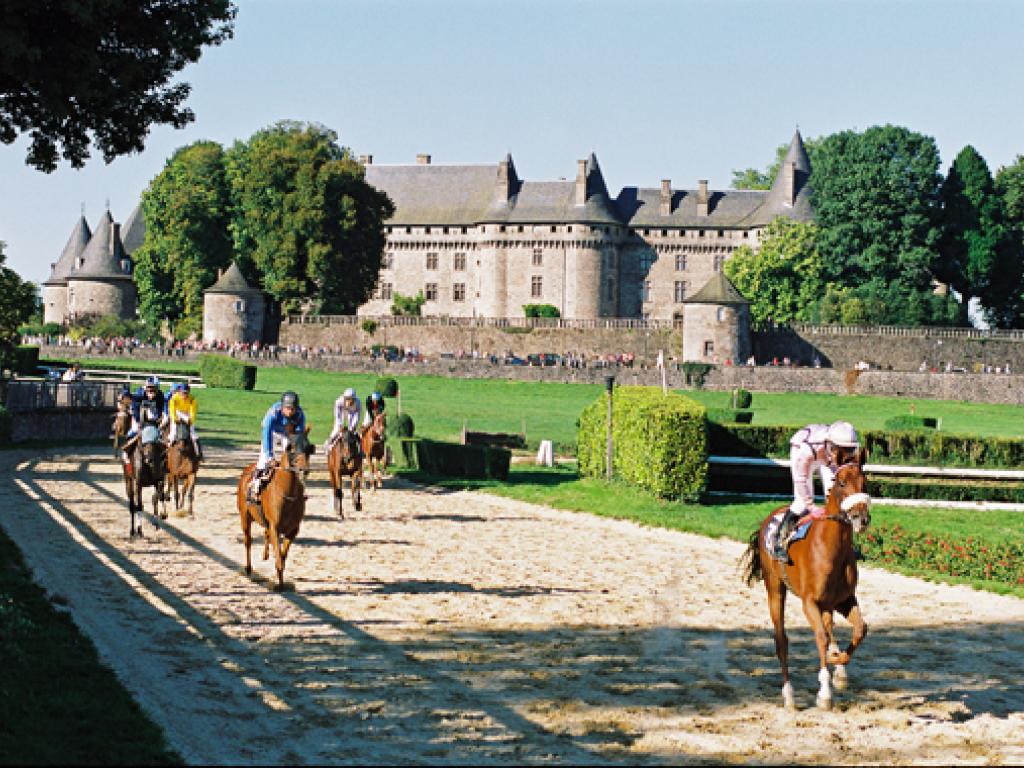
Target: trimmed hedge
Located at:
point(6, 425)
point(225, 372)
point(741, 398)
point(899, 447)
point(118, 363)
point(730, 416)
point(388, 387)
point(23, 360)
point(475, 462)
point(946, 490)
point(906, 421)
point(660, 441)
point(401, 426)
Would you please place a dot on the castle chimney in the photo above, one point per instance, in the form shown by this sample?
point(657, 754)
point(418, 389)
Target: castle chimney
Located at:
point(666, 197)
point(789, 183)
point(115, 236)
point(366, 159)
point(581, 182)
point(702, 197)
point(422, 159)
point(504, 182)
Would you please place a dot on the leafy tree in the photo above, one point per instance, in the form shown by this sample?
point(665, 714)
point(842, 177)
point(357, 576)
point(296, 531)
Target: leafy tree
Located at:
point(784, 279)
point(18, 302)
point(876, 200)
point(186, 209)
point(75, 72)
point(979, 257)
point(305, 219)
point(1009, 185)
point(411, 306)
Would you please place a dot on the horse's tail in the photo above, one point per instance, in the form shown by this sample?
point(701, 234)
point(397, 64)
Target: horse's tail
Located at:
point(750, 562)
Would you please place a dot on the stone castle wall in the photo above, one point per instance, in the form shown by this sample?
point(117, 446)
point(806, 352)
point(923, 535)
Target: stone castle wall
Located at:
point(230, 317)
point(96, 298)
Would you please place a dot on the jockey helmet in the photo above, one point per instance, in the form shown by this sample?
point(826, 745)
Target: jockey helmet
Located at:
point(183, 387)
point(290, 399)
point(349, 393)
point(842, 434)
point(375, 396)
point(153, 381)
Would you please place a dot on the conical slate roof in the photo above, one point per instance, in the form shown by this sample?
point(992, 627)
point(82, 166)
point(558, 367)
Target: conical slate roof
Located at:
point(76, 245)
point(232, 281)
point(133, 232)
point(718, 290)
point(103, 256)
point(777, 203)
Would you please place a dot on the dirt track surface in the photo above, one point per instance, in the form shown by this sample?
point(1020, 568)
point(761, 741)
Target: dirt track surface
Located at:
point(462, 628)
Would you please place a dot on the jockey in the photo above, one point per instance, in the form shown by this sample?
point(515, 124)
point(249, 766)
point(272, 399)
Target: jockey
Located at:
point(284, 412)
point(347, 409)
point(374, 405)
point(182, 407)
point(824, 447)
point(147, 406)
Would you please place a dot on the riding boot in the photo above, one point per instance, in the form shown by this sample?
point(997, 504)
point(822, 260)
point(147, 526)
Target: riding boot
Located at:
point(199, 448)
point(781, 552)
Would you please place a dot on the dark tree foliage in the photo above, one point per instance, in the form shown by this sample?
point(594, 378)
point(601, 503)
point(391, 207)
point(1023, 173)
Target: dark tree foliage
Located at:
point(81, 72)
point(876, 199)
point(18, 302)
point(979, 256)
point(1010, 187)
point(304, 219)
point(186, 209)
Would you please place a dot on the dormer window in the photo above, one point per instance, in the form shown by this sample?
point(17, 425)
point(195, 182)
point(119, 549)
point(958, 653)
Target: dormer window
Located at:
point(239, 306)
point(126, 266)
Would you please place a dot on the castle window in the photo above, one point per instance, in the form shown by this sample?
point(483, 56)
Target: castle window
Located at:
point(680, 291)
point(647, 261)
point(387, 261)
point(645, 291)
point(239, 306)
point(709, 348)
point(664, 233)
point(431, 261)
point(459, 262)
point(538, 257)
point(459, 292)
point(430, 292)
point(719, 261)
point(700, 233)
point(426, 230)
point(554, 228)
point(721, 233)
point(723, 313)
point(520, 227)
point(408, 230)
point(745, 234)
point(501, 228)
point(445, 230)
point(126, 266)
point(536, 286)
point(680, 262)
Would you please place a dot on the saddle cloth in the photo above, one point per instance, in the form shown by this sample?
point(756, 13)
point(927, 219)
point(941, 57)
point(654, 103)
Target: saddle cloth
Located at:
point(149, 435)
point(771, 533)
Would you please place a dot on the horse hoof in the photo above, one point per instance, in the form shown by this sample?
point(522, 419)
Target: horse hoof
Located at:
point(824, 704)
point(839, 678)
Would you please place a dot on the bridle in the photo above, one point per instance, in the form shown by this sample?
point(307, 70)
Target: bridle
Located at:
point(848, 502)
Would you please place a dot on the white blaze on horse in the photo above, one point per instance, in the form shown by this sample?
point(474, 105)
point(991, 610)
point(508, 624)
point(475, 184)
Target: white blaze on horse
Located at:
point(822, 572)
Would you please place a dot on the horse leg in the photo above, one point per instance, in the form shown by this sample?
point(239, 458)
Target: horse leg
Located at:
point(851, 610)
point(357, 491)
point(275, 539)
point(177, 498)
point(777, 609)
point(191, 481)
point(247, 538)
point(821, 638)
point(839, 678)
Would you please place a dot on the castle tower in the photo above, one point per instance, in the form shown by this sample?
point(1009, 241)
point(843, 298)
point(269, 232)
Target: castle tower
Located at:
point(232, 309)
point(55, 289)
point(790, 194)
point(716, 324)
point(100, 282)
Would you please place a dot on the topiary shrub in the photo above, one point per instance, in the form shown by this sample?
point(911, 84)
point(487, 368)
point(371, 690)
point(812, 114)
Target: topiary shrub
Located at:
point(223, 372)
point(659, 441)
point(6, 425)
point(369, 326)
point(741, 398)
point(387, 387)
point(909, 421)
point(401, 426)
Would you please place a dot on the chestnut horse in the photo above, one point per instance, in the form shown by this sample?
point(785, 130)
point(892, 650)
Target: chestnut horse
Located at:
point(822, 572)
point(343, 460)
point(122, 422)
point(145, 467)
point(374, 437)
point(182, 465)
point(282, 503)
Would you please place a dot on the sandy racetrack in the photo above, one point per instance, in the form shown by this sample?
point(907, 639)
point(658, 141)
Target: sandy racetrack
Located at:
point(463, 628)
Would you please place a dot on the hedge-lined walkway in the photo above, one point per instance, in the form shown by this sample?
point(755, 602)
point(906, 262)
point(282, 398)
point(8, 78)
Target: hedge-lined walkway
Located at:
point(458, 627)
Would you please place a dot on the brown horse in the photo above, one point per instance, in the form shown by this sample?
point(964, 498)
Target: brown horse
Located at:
point(375, 450)
point(282, 503)
point(122, 422)
point(182, 465)
point(145, 467)
point(822, 572)
point(344, 460)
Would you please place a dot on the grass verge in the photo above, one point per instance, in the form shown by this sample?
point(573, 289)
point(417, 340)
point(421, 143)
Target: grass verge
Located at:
point(58, 704)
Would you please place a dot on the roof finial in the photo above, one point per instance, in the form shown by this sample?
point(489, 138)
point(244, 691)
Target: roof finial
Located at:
point(83, 209)
point(108, 205)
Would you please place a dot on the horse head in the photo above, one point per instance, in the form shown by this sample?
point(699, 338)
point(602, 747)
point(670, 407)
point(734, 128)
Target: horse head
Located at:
point(849, 492)
point(380, 424)
point(298, 450)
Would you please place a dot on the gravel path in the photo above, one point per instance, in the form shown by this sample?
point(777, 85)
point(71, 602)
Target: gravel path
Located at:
point(439, 627)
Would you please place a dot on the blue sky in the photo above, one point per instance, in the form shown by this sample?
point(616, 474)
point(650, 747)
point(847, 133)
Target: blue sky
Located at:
point(658, 89)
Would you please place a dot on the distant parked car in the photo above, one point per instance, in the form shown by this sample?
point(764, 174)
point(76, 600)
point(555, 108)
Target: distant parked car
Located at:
point(513, 360)
point(52, 372)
